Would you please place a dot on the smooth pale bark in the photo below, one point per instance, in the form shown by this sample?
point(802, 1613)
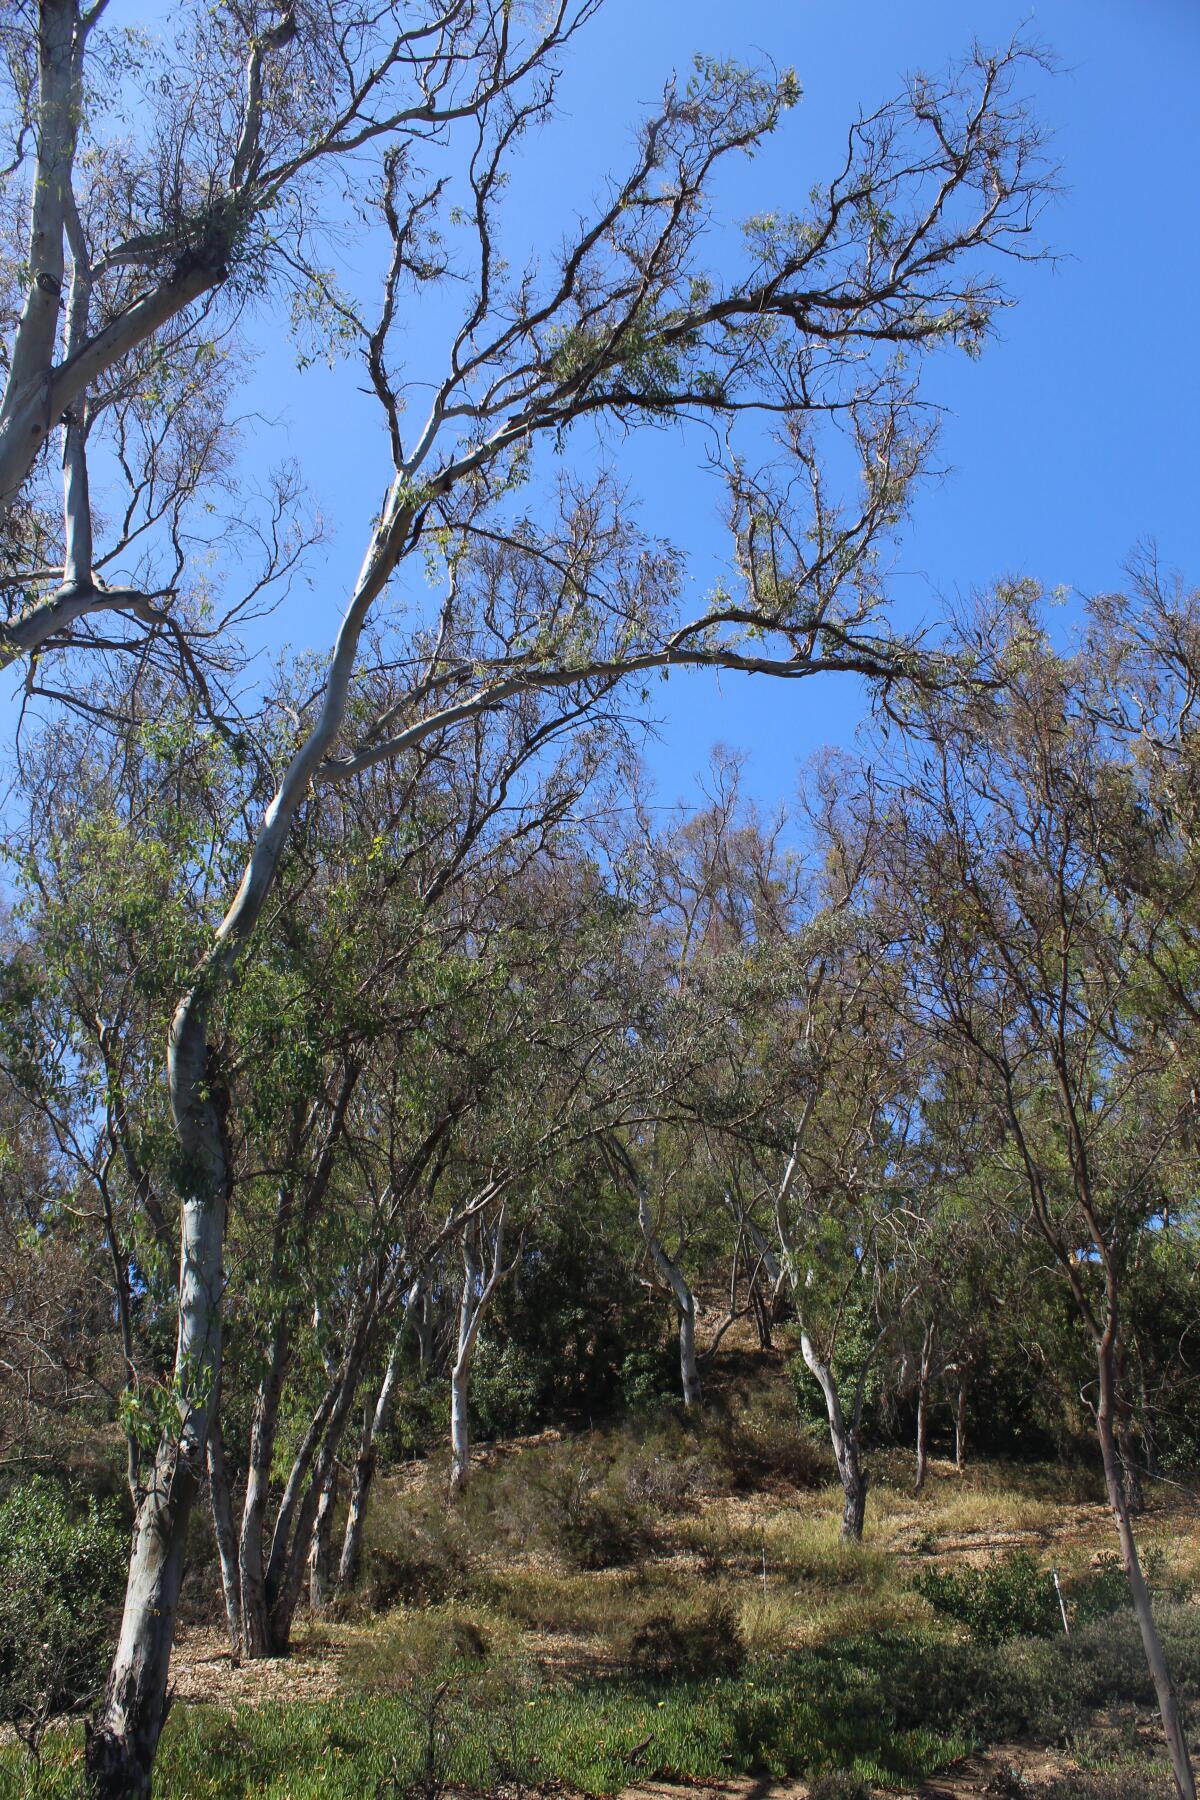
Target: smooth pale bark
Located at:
point(226, 1537)
point(26, 414)
point(924, 1376)
point(685, 1303)
point(960, 1423)
point(477, 1293)
point(847, 1449)
point(123, 1740)
point(376, 1417)
point(321, 1550)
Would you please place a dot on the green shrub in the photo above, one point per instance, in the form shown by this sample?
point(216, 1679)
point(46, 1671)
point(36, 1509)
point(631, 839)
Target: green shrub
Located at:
point(1011, 1596)
point(62, 1572)
point(506, 1390)
point(649, 1380)
point(416, 1552)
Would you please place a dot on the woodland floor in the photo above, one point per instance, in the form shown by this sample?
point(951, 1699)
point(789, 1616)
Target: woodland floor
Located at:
point(560, 1653)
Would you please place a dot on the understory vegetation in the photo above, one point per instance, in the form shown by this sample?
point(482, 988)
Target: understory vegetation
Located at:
point(660, 1599)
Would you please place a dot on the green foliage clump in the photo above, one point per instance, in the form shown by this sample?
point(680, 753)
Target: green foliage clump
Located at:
point(649, 1380)
point(62, 1572)
point(1011, 1596)
point(505, 1390)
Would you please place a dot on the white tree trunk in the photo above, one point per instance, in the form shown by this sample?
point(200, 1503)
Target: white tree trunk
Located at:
point(122, 1742)
point(375, 1422)
point(476, 1297)
point(845, 1442)
point(685, 1303)
point(960, 1423)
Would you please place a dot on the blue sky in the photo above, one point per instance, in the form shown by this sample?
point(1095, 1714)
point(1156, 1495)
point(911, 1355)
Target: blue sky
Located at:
point(1072, 440)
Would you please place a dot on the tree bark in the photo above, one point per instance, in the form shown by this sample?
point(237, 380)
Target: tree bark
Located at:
point(123, 1740)
point(846, 1446)
point(685, 1303)
point(476, 1297)
point(321, 1551)
point(226, 1537)
point(689, 1368)
point(960, 1423)
point(375, 1420)
point(256, 1628)
point(1168, 1705)
point(923, 1380)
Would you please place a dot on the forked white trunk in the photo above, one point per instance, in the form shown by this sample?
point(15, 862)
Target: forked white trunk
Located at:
point(476, 1297)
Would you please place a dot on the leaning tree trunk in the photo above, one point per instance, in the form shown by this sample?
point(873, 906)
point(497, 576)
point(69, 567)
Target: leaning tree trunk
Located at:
point(689, 1368)
point(685, 1304)
point(311, 1472)
point(123, 1739)
point(846, 1446)
point(375, 1420)
point(1131, 1479)
point(256, 1624)
point(923, 1379)
point(1168, 1705)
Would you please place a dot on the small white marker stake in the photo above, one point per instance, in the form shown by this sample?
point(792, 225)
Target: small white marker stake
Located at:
point(1062, 1605)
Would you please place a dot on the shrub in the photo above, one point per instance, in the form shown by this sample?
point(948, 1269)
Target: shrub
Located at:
point(690, 1644)
point(839, 1785)
point(1011, 1596)
point(416, 1553)
point(1105, 1588)
point(591, 1526)
point(1111, 1784)
point(61, 1576)
point(649, 1380)
point(506, 1389)
point(665, 1482)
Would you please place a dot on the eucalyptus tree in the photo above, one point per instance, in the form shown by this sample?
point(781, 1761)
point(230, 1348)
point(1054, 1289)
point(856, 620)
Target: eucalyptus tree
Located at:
point(706, 893)
point(161, 185)
point(1033, 952)
point(842, 1075)
point(625, 323)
